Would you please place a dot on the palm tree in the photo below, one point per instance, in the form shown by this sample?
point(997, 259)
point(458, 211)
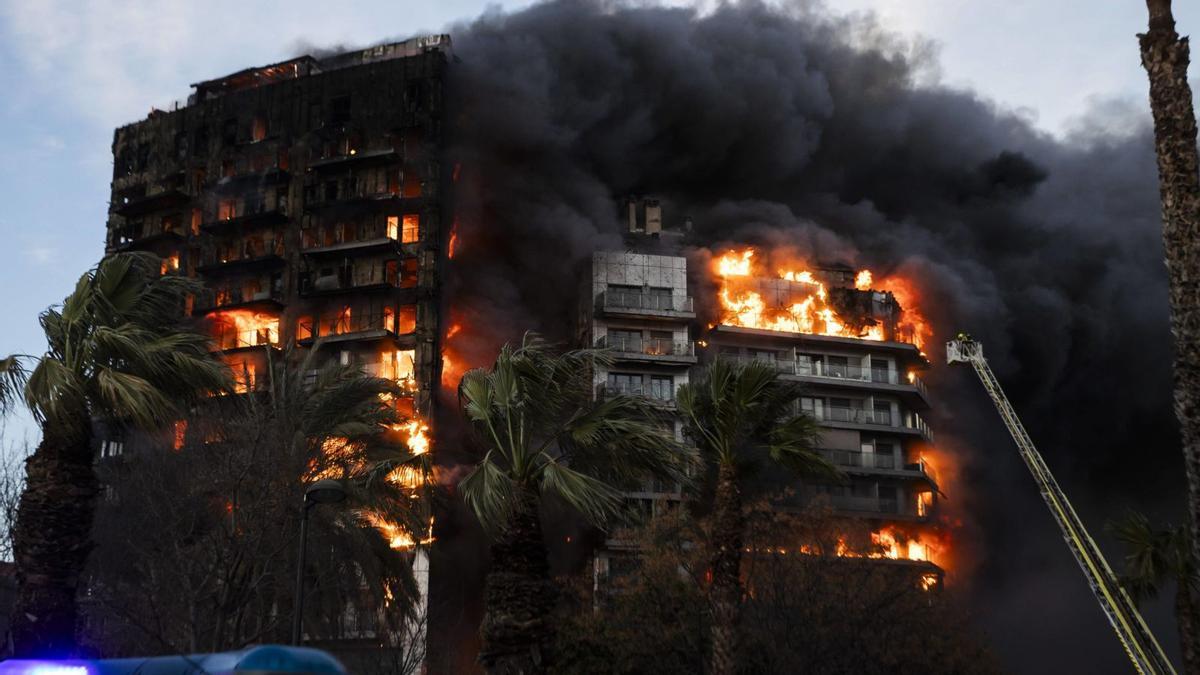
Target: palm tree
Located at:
point(1154, 557)
point(733, 411)
point(201, 547)
point(1165, 57)
point(547, 436)
point(115, 351)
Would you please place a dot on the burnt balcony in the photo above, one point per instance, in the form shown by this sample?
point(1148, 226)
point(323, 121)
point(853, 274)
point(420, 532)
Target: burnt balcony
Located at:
point(137, 236)
point(639, 304)
point(360, 239)
point(887, 508)
point(347, 279)
point(261, 217)
point(354, 157)
point(259, 252)
point(346, 326)
point(237, 298)
point(237, 182)
point(650, 349)
point(138, 206)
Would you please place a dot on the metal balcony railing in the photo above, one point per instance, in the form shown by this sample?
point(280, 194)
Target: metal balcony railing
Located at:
point(839, 372)
point(645, 301)
point(870, 460)
point(337, 236)
point(223, 297)
point(242, 251)
point(348, 278)
point(345, 323)
point(648, 346)
point(661, 394)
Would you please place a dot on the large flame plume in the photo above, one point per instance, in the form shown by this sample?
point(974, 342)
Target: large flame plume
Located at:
point(805, 305)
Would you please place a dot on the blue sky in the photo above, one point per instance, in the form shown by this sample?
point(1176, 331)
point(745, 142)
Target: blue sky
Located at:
point(72, 71)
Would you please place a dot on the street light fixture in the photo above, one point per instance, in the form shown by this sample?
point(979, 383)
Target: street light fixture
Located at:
point(326, 491)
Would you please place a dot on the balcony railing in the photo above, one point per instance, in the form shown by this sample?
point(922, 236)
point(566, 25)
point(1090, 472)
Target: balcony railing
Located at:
point(854, 372)
point(648, 346)
point(244, 251)
point(883, 418)
point(870, 460)
point(230, 337)
point(343, 323)
point(342, 237)
point(211, 299)
point(131, 234)
point(658, 394)
point(347, 279)
point(650, 302)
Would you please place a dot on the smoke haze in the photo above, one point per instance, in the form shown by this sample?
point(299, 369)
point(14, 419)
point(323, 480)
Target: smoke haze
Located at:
point(790, 126)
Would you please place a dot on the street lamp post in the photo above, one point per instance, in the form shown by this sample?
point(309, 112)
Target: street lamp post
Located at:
point(325, 491)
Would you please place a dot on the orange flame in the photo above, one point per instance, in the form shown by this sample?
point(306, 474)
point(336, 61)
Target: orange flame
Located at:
point(804, 305)
point(245, 328)
point(862, 280)
point(398, 537)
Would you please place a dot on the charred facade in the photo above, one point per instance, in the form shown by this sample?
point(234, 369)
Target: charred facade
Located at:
point(309, 196)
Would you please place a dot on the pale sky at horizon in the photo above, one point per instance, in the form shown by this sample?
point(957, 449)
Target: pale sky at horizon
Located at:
point(72, 72)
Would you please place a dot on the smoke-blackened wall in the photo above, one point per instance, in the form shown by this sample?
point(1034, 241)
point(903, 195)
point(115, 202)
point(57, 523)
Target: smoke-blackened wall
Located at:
point(790, 126)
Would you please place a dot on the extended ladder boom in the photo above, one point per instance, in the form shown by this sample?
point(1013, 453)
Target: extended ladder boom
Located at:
point(1122, 613)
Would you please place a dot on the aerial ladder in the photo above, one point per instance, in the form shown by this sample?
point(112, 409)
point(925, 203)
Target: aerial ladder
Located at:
point(1139, 643)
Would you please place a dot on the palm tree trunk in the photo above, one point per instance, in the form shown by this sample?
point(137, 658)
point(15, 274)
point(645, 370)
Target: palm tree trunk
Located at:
point(51, 541)
point(728, 527)
point(1165, 57)
point(1185, 619)
point(517, 629)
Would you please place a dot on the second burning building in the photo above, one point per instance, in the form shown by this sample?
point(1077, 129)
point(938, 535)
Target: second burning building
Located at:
point(844, 337)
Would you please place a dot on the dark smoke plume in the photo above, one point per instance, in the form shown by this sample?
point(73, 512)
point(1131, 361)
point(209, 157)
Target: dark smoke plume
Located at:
point(789, 125)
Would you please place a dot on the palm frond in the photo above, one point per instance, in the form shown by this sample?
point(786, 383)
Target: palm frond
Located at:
point(12, 381)
point(489, 493)
point(593, 498)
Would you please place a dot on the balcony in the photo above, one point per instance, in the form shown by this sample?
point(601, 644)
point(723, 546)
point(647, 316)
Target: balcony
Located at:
point(263, 177)
point(232, 337)
point(346, 326)
point(358, 240)
point(652, 395)
point(352, 197)
point(236, 298)
point(265, 252)
point(852, 375)
point(905, 422)
point(346, 279)
point(630, 303)
point(130, 237)
point(868, 462)
point(650, 349)
point(355, 157)
point(256, 218)
point(158, 201)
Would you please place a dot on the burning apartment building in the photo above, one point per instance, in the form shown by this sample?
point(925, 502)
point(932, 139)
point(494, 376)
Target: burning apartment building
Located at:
point(851, 344)
point(309, 196)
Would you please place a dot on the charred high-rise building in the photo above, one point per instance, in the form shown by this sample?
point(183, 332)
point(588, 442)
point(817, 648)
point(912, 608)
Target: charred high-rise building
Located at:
point(310, 197)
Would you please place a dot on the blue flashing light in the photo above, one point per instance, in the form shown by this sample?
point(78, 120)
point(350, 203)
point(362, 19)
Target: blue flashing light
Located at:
point(44, 668)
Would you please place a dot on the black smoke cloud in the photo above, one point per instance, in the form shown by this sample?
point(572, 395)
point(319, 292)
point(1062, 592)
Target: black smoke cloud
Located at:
point(791, 125)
